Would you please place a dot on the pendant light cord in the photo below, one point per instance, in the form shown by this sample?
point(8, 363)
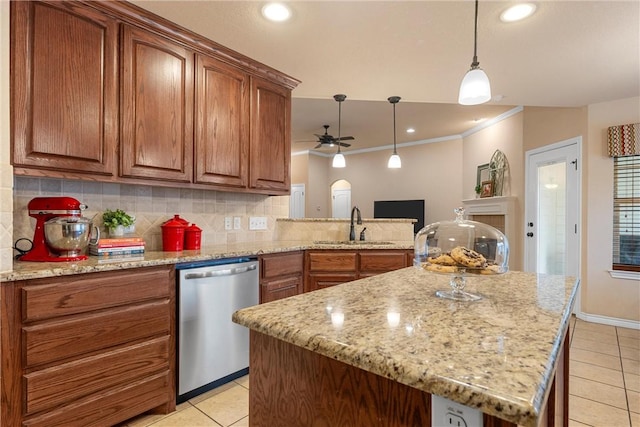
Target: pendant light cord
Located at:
point(339, 119)
point(475, 62)
point(394, 129)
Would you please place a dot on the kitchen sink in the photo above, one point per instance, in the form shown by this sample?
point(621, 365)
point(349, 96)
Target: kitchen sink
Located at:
point(351, 242)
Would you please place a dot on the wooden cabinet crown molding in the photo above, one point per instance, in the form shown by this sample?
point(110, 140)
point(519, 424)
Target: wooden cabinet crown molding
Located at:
point(138, 16)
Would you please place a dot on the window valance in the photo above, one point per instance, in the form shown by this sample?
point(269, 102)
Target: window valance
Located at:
point(624, 140)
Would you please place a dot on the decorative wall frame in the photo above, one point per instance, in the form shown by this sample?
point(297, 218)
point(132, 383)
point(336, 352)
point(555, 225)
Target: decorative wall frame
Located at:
point(484, 174)
point(486, 189)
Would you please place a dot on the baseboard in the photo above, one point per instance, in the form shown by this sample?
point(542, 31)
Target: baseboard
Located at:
point(612, 321)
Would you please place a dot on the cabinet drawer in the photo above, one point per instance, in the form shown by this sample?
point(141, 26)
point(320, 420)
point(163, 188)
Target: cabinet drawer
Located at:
point(71, 381)
point(278, 289)
point(382, 261)
point(46, 298)
point(119, 404)
point(332, 261)
point(325, 280)
point(58, 340)
point(281, 265)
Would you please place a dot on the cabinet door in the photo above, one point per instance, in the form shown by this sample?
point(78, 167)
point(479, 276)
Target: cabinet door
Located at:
point(270, 153)
point(64, 90)
point(157, 107)
point(222, 128)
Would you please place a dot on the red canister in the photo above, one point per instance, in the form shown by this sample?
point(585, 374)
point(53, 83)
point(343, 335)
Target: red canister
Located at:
point(192, 237)
point(173, 235)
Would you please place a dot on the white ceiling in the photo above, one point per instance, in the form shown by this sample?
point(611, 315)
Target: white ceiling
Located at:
point(568, 54)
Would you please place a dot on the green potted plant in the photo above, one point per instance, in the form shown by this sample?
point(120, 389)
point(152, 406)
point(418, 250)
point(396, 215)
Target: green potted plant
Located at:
point(117, 221)
point(478, 190)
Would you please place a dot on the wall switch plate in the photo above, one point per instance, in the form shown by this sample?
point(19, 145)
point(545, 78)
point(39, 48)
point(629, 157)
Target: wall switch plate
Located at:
point(447, 413)
point(236, 223)
point(258, 223)
point(227, 223)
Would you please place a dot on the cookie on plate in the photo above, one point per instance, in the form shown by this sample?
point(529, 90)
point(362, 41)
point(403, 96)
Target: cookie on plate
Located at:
point(468, 258)
point(441, 268)
point(490, 269)
point(442, 259)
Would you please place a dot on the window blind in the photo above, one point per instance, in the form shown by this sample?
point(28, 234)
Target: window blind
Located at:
point(626, 213)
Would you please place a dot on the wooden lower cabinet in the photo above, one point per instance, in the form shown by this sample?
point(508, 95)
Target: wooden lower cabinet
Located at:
point(280, 276)
point(326, 268)
point(88, 349)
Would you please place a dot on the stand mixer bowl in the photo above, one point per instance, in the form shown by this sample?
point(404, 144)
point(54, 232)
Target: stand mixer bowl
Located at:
point(68, 236)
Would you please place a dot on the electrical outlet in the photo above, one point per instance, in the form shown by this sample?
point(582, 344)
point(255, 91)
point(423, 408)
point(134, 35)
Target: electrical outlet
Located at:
point(236, 223)
point(447, 413)
point(454, 420)
point(227, 223)
point(257, 223)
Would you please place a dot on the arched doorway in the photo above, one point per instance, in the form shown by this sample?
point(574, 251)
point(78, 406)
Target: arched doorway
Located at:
point(340, 199)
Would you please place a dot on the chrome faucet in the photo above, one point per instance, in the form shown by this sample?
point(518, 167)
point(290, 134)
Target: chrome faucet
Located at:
point(352, 230)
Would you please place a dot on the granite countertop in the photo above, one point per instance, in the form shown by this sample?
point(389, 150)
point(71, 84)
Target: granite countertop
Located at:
point(498, 354)
point(33, 270)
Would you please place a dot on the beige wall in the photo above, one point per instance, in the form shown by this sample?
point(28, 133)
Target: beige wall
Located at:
point(6, 171)
point(544, 126)
point(603, 295)
point(421, 177)
point(478, 148)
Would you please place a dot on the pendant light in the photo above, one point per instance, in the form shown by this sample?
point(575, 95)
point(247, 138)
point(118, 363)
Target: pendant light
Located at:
point(475, 87)
point(338, 158)
point(394, 160)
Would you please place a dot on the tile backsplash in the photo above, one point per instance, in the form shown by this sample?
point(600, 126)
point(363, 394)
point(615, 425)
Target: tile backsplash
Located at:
point(154, 205)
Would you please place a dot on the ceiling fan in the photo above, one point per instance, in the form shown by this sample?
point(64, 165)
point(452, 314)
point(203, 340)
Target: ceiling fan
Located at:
point(330, 141)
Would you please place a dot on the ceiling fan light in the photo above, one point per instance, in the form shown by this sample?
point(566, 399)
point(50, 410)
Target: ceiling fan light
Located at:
point(394, 162)
point(338, 161)
point(475, 88)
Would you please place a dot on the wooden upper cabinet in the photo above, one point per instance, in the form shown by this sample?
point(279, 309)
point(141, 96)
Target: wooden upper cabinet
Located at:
point(64, 88)
point(222, 124)
point(157, 107)
point(270, 152)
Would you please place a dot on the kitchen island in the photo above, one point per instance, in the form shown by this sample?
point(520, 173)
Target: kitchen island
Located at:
point(373, 351)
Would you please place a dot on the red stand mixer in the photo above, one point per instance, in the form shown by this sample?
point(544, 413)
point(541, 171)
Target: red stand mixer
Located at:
point(62, 233)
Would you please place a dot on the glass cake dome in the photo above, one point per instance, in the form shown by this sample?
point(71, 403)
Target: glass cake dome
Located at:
point(458, 248)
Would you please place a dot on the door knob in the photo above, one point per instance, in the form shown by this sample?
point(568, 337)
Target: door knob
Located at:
point(529, 234)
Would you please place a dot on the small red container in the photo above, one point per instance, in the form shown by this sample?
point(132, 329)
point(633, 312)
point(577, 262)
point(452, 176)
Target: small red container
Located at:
point(173, 235)
point(192, 237)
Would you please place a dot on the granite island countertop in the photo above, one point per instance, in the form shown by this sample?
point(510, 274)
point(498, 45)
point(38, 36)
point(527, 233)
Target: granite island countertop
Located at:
point(498, 354)
point(34, 270)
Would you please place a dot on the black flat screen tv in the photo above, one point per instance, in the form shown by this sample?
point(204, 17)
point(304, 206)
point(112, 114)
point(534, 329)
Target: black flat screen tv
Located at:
point(401, 209)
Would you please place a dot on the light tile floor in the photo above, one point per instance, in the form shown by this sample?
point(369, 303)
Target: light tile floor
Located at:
point(604, 386)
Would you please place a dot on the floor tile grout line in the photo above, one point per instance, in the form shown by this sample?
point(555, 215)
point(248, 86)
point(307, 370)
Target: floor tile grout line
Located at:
point(596, 381)
point(624, 383)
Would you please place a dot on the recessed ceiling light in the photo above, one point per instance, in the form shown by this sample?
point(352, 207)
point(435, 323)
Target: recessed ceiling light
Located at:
point(277, 12)
point(518, 12)
point(411, 130)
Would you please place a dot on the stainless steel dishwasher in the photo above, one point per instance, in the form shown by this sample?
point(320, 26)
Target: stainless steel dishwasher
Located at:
point(212, 350)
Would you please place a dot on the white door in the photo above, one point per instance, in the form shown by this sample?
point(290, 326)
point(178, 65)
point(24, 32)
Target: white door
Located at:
point(552, 209)
point(296, 201)
point(341, 203)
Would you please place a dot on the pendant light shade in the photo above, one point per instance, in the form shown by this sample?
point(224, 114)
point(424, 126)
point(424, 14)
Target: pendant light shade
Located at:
point(338, 158)
point(475, 87)
point(338, 161)
point(394, 160)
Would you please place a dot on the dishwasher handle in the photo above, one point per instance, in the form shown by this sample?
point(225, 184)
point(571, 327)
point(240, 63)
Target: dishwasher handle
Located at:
point(223, 272)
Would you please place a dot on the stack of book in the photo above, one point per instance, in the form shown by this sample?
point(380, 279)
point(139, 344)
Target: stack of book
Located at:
point(118, 248)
